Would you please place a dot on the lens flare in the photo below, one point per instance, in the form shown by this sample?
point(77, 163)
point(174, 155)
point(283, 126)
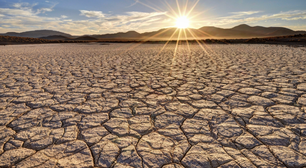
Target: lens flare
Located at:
point(182, 22)
point(184, 18)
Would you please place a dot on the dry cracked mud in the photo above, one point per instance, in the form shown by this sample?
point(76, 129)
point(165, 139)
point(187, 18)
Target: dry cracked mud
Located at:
point(117, 105)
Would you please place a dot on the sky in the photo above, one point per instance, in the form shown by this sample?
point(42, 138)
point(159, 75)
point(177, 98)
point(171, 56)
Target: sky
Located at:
point(80, 17)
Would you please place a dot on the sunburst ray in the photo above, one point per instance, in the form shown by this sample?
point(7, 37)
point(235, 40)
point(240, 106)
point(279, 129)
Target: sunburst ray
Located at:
point(203, 48)
point(187, 42)
point(213, 53)
point(145, 40)
point(210, 48)
point(155, 9)
point(172, 10)
point(177, 43)
point(186, 6)
point(178, 8)
point(184, 14)
point(192, 8)
point(167, 42)
point(175, 51)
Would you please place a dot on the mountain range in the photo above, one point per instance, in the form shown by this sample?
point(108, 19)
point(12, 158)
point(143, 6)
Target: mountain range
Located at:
point(207, 32)
point(37, 34)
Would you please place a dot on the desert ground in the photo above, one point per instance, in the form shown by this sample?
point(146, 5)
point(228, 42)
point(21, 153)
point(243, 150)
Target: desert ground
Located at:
point(129, 105)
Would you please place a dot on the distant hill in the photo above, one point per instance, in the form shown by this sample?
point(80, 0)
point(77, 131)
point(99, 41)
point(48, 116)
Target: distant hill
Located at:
point(7, 40)
point(37, 34)
point(127, 35)
point(298, 40)
point(265, 31)
point(56, 37)
point(242, 31)
point(85, 38)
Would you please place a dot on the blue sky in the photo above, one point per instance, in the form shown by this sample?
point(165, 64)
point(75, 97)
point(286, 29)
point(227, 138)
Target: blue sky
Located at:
point(109, 16)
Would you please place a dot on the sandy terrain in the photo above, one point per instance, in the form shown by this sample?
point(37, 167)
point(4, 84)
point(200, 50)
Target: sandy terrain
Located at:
point(91, 105)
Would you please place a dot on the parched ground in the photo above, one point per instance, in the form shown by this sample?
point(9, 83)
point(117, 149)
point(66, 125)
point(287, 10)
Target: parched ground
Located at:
point(118, 105)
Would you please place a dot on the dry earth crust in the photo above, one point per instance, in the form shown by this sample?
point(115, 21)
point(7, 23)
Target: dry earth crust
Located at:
point(90, 105)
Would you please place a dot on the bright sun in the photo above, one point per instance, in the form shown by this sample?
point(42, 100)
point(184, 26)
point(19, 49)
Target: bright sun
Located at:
point(182, 22)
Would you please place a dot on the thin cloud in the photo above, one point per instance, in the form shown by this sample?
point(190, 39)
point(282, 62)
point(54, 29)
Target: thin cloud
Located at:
point(242, 13)
point(138, 16)
point(291, 15)
point(24, 18)
point(296, 18)
point(44, 10)
point(245, 17)
point(133, 4)
point(90, 14)
point(17, 5)
point(24, 5)
point(15, 12)
point(24, 9)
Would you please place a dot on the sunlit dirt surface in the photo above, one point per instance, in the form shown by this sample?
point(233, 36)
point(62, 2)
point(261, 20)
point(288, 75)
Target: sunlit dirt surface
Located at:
point(122, 105)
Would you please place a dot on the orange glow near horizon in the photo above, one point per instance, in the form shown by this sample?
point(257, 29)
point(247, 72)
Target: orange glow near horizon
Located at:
point(182, 21)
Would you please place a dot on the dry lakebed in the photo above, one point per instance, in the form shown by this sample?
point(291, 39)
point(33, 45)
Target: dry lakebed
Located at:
point(135, 106)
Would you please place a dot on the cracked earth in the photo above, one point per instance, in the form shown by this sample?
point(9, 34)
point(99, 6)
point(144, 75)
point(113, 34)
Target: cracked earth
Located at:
point(80, 105)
